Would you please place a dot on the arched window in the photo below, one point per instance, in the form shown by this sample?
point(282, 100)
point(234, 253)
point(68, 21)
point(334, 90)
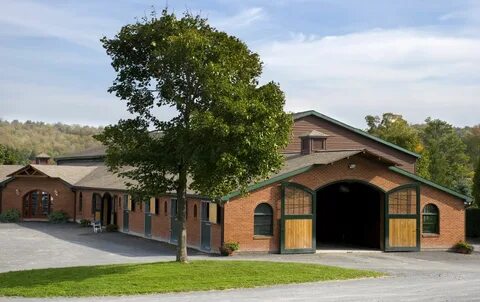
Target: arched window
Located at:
point(430, 220)
point(195, 211)
point(263, 220)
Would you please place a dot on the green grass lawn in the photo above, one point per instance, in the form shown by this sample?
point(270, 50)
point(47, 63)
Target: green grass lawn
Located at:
point(163, 277)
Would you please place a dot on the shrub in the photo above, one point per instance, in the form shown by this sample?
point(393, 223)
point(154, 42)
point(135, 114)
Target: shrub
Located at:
point(58, 217)
point(228, 248)
point(85, 222)
point(10, 215)
point(111, 228)
point(463, 247)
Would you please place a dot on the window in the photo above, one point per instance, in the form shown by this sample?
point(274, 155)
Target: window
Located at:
point(165, 208)
point(80, 202)
point(305, 145)
point(318, 144)
point(430, 219)
point(125, 201)
point(195, 211)
point(174, 207)
point(297, 201)
point(98, 203)
point(133, 205)
point(403, 202)
point(263, 220)
point(157, 206)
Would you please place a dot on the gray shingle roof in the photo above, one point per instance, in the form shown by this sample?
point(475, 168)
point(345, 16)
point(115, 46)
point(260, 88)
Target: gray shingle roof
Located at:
point(314, 133)
point(100, 177)
point(99, 151)
point(70, 174)
point(6, 170)
point(42, 155)
point(319, 158)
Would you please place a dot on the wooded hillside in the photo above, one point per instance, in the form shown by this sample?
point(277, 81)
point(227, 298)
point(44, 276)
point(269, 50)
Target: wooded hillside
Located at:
point(21, 141)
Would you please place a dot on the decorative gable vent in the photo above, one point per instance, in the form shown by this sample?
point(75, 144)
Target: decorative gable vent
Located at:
point(313, 141)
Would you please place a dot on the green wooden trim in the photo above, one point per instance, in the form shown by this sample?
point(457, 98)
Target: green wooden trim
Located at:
point(284, 217)
point(268, 182)
point(400, 216)
point(357, 131)
point(430, 183)
point(388, 216)
point(299, 216)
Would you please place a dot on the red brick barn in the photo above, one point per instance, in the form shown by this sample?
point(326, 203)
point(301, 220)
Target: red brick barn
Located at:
point(339, 186)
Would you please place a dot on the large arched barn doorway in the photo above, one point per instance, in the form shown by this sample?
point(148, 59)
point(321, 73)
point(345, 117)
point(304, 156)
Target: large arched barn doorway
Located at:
point(350, 214)
point(36, 204)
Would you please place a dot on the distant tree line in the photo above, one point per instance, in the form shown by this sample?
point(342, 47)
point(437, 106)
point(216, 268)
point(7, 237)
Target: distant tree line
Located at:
point(449, 155)
point(21, 141)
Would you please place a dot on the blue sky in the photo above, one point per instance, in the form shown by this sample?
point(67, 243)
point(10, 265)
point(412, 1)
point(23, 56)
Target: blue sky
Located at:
point(345, 59)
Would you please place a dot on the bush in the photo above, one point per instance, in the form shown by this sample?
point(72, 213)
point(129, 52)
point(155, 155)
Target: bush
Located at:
point(85, 222)
point(111, 228)
point(228, 248)
point(472, 217)
point(463, 248)
point(10, 215)
point(58, 217)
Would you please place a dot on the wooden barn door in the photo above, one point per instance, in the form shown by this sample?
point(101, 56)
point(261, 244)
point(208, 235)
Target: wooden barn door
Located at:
point(402, 219)
point(297, 219)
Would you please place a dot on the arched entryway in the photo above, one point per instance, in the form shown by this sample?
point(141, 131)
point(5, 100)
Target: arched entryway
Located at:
point(349, 214)
point(36, 204)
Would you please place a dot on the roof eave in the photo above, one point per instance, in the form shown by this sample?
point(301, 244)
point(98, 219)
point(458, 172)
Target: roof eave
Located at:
point(400, 171)
point(268, 181)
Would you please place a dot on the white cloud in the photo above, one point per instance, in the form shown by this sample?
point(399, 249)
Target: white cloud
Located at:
point(408, 71)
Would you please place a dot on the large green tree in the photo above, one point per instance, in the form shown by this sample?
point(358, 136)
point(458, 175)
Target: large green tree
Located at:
point(449, 165)
point(393, 128)
point(227, 130)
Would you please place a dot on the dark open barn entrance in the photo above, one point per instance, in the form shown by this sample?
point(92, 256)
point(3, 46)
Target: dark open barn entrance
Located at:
point(350, 214)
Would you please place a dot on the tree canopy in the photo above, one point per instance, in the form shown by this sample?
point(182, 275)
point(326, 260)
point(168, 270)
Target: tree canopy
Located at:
point(444, 158)
point(393, 128)
point(228, 130)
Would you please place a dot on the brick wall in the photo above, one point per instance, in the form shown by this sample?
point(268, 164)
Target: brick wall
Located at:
point(239, 212)
point(62, 201)
point(161, 223)
point(452, 219)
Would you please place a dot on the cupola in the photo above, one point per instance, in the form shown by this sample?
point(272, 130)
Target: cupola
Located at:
point(313, 141)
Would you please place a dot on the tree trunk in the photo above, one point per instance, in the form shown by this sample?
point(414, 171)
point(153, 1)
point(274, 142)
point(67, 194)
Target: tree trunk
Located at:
point(181, 217)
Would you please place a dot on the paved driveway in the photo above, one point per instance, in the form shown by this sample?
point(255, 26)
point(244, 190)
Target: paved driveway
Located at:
point(42, 245)
point(426, 276)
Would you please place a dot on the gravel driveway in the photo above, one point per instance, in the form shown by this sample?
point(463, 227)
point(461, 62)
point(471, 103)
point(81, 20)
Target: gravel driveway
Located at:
point(425, 276)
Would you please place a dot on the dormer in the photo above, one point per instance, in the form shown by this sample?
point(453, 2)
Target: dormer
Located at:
point(313, 141)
